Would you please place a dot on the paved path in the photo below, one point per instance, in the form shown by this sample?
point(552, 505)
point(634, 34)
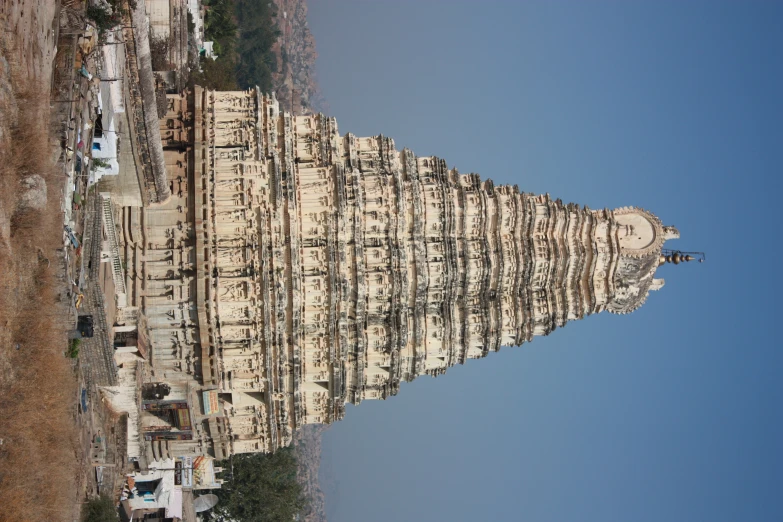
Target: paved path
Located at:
point(96, 356)
point(124, 187)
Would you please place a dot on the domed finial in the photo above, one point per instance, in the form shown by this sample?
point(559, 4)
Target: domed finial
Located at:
point(676, 257)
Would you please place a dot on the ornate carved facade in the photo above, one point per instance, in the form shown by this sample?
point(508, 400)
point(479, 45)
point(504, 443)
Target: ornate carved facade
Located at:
point(294, 269)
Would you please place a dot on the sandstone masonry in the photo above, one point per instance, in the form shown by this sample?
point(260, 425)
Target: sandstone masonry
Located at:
point(294, 269)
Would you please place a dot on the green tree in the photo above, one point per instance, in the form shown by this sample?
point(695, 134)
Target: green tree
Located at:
point(159, 52)
point(258, 33)
point(217, 74)
point(244, 32)
point(262, 488)
point(219, 22)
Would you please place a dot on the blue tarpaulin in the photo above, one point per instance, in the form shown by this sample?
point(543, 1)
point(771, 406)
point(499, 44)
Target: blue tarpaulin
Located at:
point(71, 236)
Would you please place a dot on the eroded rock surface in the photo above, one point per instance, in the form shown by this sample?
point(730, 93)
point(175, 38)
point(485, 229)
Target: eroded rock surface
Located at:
point(33, 193)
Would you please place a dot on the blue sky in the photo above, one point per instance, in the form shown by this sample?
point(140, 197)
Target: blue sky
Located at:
point(672, 413)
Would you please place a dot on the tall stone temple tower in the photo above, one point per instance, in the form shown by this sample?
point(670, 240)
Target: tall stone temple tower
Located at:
point(294, 270)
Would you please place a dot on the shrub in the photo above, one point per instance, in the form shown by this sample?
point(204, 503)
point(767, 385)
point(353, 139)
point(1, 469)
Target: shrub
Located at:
point(73, 348)
point(104, 18)
point(99, 162)
point(159, 53)
point(100, 509)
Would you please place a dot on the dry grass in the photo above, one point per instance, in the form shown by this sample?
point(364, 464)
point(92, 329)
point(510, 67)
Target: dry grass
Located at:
point(38, 455)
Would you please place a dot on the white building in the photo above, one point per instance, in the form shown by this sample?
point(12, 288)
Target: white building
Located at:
point(110, 105)
point(155, 489)
point(194, 8)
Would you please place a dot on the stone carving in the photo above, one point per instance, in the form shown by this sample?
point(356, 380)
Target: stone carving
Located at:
point(339, 267)
point(670, 233)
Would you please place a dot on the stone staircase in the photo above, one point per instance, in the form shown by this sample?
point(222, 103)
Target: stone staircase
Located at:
point(117, 272)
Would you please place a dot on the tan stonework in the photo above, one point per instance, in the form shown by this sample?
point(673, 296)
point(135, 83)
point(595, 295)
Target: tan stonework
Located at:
point(294, 269)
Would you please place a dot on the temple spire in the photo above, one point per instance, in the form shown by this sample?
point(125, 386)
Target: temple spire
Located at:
point(330, 268)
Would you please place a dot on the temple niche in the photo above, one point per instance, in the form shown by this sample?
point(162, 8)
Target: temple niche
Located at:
point(295, 269)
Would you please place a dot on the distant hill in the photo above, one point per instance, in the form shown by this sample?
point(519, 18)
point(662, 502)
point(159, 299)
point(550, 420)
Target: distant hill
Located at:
point(307, 445)
point(296, 55)
point(264, 44)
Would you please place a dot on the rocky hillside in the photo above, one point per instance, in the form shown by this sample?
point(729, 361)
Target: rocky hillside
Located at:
point(296, 55)
point(308, 455)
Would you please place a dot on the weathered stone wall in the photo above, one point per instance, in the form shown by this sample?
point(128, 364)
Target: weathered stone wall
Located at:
point(143, 106)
